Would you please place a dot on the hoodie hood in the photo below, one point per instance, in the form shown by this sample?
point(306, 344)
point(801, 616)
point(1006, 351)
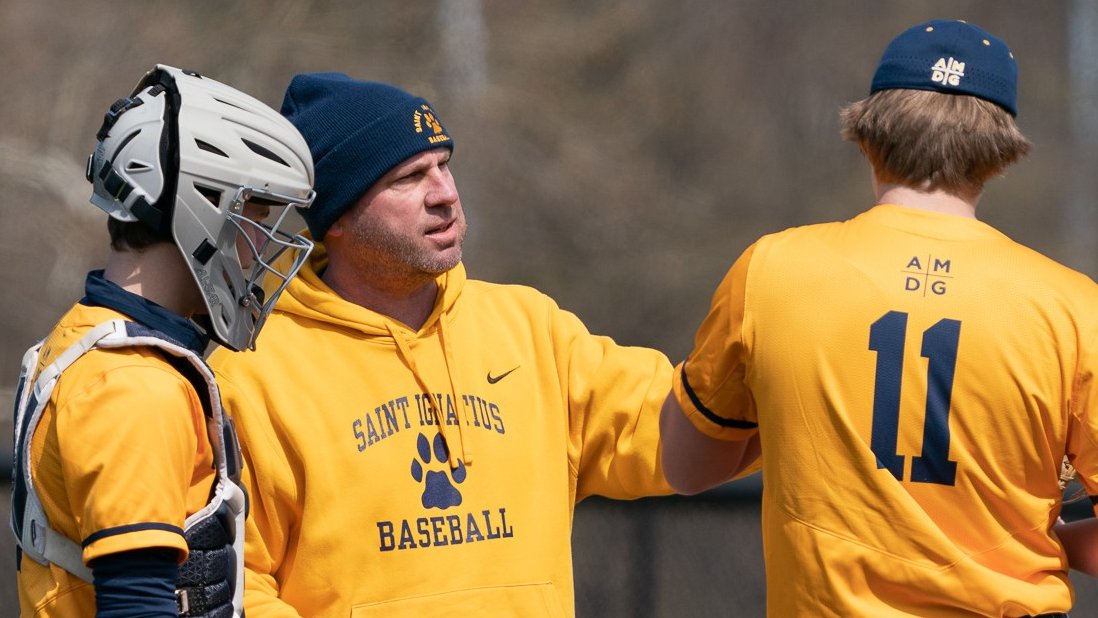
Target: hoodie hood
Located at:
point(307, 296)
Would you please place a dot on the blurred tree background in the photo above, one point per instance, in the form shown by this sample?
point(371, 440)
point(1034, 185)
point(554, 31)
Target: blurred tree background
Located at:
point(618, 155)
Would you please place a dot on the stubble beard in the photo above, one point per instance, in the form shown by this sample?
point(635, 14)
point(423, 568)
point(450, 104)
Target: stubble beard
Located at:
point(404, 257)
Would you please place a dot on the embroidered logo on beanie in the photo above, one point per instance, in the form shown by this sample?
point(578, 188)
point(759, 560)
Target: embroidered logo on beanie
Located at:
point(425, 117)
point(953, 57)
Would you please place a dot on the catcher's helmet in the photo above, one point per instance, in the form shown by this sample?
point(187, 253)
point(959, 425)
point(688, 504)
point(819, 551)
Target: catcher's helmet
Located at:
point(183, 154)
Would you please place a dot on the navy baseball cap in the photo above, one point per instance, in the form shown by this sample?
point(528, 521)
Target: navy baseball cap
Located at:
point(953, 57)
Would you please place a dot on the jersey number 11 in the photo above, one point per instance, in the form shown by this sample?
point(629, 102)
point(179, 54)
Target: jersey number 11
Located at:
point(886, 338)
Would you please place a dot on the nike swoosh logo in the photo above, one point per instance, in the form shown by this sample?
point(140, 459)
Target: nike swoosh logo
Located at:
point(493, 379)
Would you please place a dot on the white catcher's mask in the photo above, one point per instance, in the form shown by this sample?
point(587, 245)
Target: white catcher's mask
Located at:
point(183, 154)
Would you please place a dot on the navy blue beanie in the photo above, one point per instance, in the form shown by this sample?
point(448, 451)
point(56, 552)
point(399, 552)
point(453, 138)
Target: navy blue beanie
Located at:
point(357, 131)
point(950, 56)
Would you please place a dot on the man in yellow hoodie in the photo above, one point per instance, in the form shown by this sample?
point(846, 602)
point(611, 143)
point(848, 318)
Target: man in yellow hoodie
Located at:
point(415, 441)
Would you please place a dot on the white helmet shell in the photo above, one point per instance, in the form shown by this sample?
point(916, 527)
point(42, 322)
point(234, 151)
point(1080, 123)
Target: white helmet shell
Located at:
point(183, 155)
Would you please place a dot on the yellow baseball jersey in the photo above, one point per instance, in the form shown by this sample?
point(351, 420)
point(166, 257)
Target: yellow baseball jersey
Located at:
point(916, 379)
point(119, 459)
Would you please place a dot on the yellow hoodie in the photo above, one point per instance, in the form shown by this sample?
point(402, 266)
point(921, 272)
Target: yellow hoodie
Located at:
point(397, 473)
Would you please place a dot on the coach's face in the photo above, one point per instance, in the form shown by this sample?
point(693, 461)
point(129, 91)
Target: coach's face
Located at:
point(409, 226)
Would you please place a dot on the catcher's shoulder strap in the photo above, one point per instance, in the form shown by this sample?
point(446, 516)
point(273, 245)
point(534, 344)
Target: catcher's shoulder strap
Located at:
point(33, 534)
point(36, 538)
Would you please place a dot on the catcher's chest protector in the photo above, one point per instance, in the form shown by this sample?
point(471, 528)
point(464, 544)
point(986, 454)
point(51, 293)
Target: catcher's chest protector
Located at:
point(211, 581)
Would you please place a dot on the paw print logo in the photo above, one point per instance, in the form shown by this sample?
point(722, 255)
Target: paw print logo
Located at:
point(438, 491)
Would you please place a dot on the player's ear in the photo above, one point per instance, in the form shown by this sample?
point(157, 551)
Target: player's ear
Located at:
point(337, 229)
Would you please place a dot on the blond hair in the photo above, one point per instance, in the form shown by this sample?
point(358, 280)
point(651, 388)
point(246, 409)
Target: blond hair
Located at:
point(933, 141)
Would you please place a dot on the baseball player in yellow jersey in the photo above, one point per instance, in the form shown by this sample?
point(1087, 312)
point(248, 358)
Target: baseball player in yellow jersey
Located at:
point(913, 376)
point(416, 440)
point(126, 500)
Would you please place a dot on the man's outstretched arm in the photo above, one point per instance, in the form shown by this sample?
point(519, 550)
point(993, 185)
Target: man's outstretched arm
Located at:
point(693, 461)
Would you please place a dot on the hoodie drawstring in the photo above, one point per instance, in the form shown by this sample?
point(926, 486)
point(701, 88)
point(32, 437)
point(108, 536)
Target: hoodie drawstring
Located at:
point(462, 452)
point(463, 419)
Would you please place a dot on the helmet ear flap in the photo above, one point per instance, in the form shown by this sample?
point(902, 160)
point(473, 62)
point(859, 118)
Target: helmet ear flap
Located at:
point(116, 110)
point(155, 83)
point(110, 172)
